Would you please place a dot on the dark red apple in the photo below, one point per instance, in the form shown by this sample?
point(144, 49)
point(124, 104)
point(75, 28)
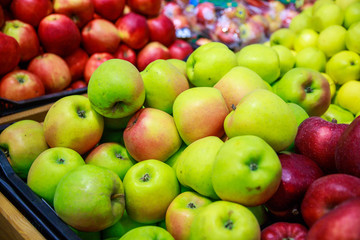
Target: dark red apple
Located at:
point(284, 230)
point(109, 9)
point(21, 85)
point(148, 8)
point(151, 52)
point(342, 223)
point(347, 153)
point(326, 193)
point(134, 30)
point(58, 34)
point(80, 11)
point(31, 11)
point(317, 139)
point(5, 3)
point(9, 53)
point(162, 30)
point(2, 17)
point(180, 49)
point(94, 62)
point(78, 84)
point(76, 62)
point(126, 53)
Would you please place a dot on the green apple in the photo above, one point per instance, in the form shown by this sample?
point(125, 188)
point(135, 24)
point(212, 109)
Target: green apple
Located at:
point(317, 4)
point(300, 22)
point(286, 58)
point(89, 198)
point(247, 171)
point(238, 82)
point(352, 38)
point(198, 176)
point(112, 135)
point(181, 212)
point(22, 142)
point(332, 40)
point(163, 83)
point(352, 14)
point(147, 233)
point(348, 96)
point(116, 123)
point(49, 167)
point(150, 186)
point(335, 112)
point(331, 84)
point(226, 221)
point(284, 37)
point(266, 115)
point(179, 64)
point(305, 87)
point(87, 235)
point(299, 112)
point(261, 59)
point(305, 38)
point(358, 114)
point(261, 214)
point(173, 159)
point(343, 4)
point(116, 89)
point(327, 15)
point(343, 67)
point(112, 156)
point(311, 57)
point(208, 63)
point(199, 112)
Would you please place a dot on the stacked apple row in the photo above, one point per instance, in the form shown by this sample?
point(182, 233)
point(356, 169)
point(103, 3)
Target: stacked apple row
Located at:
point(59, 47)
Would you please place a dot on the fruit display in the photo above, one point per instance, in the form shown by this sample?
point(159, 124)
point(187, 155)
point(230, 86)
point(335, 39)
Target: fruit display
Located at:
point(257, 143)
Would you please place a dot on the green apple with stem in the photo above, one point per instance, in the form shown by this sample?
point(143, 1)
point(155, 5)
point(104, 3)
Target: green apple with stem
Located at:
point(327, 15)
point(352, 14)
point(348, 96)
point(311, 57)
point(341, 115)
point(284, 37)
point(352, 38)
point(300, 22)
point(116, 89)
point(306, 38)
point(286, 58)
point(147, 233)
point(22, 142)
point(332, 40)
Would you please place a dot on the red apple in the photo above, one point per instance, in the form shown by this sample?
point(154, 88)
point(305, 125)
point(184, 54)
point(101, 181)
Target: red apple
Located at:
point(148, 8)
point(80, 11)
point(5, 3)
point(77, 84)
point(205, 13)
point(21, 85)
point(133, 29)
point(26, 36)
point(317, 139)
point(326, 193)
point(52, 70)
point(31, 11)
point(94, 62)
point(58, 34)
point(284, 230)
point(181, 21)
point(171, 9)
point(2, 17)
point(180, 49)
point(151, 52)
point(100, 35)
point(162, 30)
point(126, 53)
point(109, 9)
point(9, 53)
point(76, 62)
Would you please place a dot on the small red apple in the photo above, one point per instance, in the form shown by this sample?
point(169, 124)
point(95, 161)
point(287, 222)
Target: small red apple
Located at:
point(284, 230)
point(94, 62)
point(162, 30)
point(151, 52)
point(80, 11)
point(148, 8)
point(180, 49)
point(126, 53)
point(78, 84)
point(109, 9)
point(9, 53)
point(76, 62)
point(31, 11)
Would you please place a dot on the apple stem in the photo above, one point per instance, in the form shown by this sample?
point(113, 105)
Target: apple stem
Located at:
point(233, 107)
point(229, 224)
point(145, 178)
point(117, 195)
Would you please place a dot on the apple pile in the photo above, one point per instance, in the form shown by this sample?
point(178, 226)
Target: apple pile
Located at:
point(52, 46)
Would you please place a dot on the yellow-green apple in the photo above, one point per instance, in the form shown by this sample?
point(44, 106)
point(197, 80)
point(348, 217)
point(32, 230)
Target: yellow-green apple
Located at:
point(52, 70)
point(148, 8)
point(94, 61)
point(58, 34)
point(331, 40)
point(151, 134)
point(172, 161)
point(246, 170)
point(112, 156)
point(87, 235)
point(326, 193)
point(77, 62)
point(284, 37)
point(180, 49)
point(25, 34)
point(347, 96)
point(344, 66)
point(20, 85)
point(319, 3)
point(125, 52)
point(284, 230)
point(338, 114)
point(199, 112)
point(286, 58)
point(237, 83)
point(179, 64)
point(116, 123)
point(72, 122)
point(203, 152)
point(109, 9)
point(133, 30)
point(49, 167)
point(116, 89)
point(277, 124)
point(327, 15)
point(147, 232)
point(162, 30)
point(163, 83)
point(22, 142)
point(80, 11)
point(90, 198)
point(305, 38)
point(100, 35)
point(305, 87)
point(340, 223)
point(351, 14)
point(299, 112)
point(151, 52)
point(343, 4)
point(261, 59)
point(181, 212)
point(261, 213)
point(209, 63)
point(300, 22)
point(225, 220)
point(331, 83)
point(150, 187)
point(31, 11)
point(352, 37)
point(311, 57)
point(9, 52)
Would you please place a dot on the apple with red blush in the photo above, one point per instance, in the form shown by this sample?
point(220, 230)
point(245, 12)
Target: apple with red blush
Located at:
point(171, 9)
point(31, 11)
point(80, 11)
point(148, 8)
point(109, 9)
point(9, 53)
point(162, 30)
point(180, 49)
point(78, 84)
point(94, 62)
point(76, 62)
point(284, 230)
point(125, 52)
point(151, 52)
